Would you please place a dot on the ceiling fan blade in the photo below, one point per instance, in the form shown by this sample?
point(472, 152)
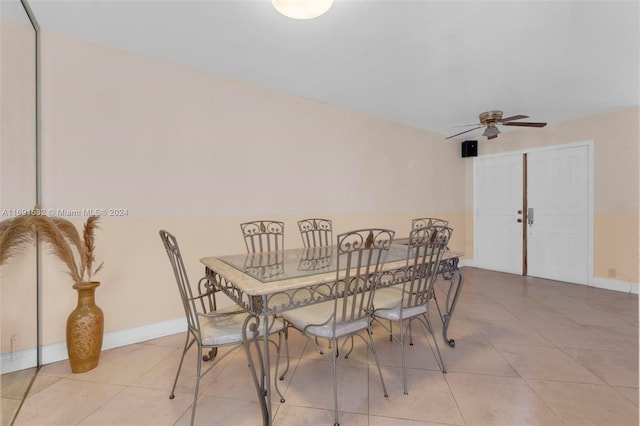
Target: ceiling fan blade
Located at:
point(469, 125)
point(526, 124)
point(462, 133)
point(513, 117)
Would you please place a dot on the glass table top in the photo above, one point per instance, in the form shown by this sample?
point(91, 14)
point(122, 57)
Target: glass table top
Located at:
point(295, 263)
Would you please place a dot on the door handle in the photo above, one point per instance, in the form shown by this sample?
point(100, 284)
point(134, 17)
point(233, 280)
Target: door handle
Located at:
point(530, 215)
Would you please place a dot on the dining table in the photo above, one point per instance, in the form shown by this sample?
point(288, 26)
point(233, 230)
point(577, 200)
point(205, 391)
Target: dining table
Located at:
point(271, 282)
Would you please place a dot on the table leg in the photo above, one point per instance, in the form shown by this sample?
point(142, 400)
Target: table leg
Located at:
point(450, 272)
point(267, 372)
point(447, 316)
point(259, 362)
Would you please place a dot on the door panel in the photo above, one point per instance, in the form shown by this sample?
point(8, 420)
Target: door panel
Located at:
point(498, 235)
point(558, 192)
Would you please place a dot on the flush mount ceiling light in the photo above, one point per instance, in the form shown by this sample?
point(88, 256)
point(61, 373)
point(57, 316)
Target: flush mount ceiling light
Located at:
point(302, 9)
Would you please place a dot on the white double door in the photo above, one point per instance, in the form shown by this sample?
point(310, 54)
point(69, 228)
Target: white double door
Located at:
point(532, 213)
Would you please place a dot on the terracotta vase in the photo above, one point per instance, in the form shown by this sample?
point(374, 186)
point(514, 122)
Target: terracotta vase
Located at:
point(85, 327)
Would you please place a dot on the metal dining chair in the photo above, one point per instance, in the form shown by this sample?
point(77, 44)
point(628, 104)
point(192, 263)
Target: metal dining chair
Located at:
point(316, 232)
point(410, 301)
point(267, 236)
point(263, 235)
point(207, 326)
point(423, 222)
point(361, 254)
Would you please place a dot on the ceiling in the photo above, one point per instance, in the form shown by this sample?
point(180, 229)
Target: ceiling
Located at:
point(433, 65)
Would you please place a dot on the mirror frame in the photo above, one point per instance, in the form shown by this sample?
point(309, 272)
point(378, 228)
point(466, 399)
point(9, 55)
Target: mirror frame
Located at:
point(38, 201)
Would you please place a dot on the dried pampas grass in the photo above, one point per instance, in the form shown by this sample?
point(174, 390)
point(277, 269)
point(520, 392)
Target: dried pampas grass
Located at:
point(88, 234)
point(62, 237)
point(15, 234)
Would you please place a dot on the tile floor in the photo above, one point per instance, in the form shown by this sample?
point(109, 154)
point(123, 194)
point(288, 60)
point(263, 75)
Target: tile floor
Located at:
point(528, 352)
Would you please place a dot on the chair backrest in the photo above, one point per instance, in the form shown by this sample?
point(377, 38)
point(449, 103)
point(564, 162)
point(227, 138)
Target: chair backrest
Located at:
point(361, 254)
point(423, 222)
point(316, 232)
point(263, 235)
point(206, 296)
point(426, 247)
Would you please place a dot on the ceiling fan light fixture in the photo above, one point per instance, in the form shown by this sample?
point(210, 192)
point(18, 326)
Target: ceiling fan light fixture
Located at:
point(302, 9)
point(491, 132)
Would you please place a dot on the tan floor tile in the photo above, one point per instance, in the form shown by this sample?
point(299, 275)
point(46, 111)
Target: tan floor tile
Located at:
point(291, 415)
point(476, 357)
point(429, 398)
point(420, 355)
point(58, 369)
point(541, 362)
point(614, 368)
point(511, 333)
point(235, 380)
point(538, 316)
point(460, 328)
point(8, 410)
point(175, 340)
point(312, 386)
point(630, 393)
point(617, 338)
point(491, 400)
point(223, 412)
point(575, 346)
point(162, 375)
point(14, 385)
point(42, 382)
point(138, 406)
point(297, 343)
point(562, 303)
point(125, 365)
point(66, 402)
point(389, 421)
point(582, 404)
point(486, 312)
point(594, 317)
point(571, 336)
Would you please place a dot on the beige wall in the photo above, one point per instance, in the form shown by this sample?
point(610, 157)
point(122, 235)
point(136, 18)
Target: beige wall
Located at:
point(196, 154)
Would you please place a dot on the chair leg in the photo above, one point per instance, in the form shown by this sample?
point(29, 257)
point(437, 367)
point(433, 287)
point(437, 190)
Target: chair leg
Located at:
point(334, 362)
point(278, 347)
point(187, 345)
point(350, 349)
point(410, 334)
point(435, 341)
point(375, 357)
point(195, 393)
point(404, 367)
point(286, 346)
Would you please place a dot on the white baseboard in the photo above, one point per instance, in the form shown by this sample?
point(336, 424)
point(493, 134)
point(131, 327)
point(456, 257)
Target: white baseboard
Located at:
point(55, 352)
point(609, 284)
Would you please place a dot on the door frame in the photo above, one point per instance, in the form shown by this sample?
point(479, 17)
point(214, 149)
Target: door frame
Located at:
point(590, 202)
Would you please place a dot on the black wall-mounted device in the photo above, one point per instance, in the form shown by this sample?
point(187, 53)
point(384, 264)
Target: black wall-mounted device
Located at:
point(469, 149)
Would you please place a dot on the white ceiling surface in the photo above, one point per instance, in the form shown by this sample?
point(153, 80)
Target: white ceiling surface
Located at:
point(433, 65)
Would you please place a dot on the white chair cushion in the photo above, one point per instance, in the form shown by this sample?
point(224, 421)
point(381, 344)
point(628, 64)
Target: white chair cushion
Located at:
point(320, 313)
point(226, 330)
point(387, 298)
point(387, 303)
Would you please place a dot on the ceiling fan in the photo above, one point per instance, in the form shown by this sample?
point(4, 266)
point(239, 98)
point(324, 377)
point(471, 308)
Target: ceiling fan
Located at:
point(490, 119)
